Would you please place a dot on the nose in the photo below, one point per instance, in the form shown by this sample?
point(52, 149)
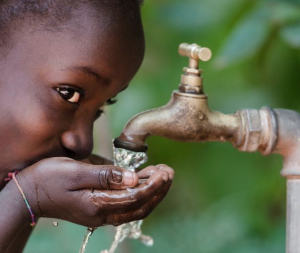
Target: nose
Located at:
point(78, 141)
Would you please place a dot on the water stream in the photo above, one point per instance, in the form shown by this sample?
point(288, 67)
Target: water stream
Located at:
point(129, 160)
point(86, 239)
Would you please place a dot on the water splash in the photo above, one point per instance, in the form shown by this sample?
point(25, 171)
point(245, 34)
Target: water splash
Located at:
point(129, 230)
point(129, 160)
point(86, 239)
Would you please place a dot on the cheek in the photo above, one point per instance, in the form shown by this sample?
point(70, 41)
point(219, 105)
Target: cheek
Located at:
point(38, 120)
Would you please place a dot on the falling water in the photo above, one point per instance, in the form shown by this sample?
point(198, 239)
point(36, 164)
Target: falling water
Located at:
point(86, 239)
point(129, 160)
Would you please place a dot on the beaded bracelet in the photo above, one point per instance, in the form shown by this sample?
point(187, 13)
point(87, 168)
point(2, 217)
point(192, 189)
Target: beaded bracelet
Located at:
point(12, 175)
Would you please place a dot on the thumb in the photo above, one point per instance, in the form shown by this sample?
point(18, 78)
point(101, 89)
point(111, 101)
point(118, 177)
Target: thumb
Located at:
point(112, 177)
point(103, 177)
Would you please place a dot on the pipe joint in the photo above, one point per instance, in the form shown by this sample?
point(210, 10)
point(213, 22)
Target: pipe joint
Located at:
point(259, 130)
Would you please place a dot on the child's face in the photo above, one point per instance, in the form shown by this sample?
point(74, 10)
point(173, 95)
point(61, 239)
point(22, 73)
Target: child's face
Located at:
point(53, 84)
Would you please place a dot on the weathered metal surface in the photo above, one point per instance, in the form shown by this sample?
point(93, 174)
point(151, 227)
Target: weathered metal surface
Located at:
point(293, 216)
point(185, 118)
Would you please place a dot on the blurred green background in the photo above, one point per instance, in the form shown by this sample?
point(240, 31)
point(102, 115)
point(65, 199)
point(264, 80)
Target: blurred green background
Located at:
point(222, 200)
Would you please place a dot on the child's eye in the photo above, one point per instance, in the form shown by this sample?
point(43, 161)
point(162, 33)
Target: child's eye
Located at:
point(70, 94)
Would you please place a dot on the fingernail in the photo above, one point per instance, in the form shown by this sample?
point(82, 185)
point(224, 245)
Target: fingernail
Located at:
point(117, 176)
point(128, 178)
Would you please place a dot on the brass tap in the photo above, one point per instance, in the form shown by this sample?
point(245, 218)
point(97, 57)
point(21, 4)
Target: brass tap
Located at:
point(186, 117)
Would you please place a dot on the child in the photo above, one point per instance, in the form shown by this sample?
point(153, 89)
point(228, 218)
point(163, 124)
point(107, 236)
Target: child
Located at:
point(60, 61)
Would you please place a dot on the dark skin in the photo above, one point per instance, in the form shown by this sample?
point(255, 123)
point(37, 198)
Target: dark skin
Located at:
point(52, 86)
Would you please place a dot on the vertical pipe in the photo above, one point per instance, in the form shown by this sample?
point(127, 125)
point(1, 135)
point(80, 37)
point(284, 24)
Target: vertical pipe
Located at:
point(293, 215)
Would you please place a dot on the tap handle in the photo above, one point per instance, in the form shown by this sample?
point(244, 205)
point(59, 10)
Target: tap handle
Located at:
point(194, 51)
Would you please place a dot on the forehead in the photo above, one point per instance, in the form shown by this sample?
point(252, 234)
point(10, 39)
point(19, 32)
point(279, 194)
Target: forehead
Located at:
point(112, 45)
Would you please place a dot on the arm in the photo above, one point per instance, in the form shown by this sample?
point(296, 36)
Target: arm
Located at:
point(18, 244)
point(14, 220)
point(22, 235)
point(85, 194)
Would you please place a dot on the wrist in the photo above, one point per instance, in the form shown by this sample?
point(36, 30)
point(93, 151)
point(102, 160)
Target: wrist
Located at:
point(13, 214)
point(13, 177)
point(11, 201)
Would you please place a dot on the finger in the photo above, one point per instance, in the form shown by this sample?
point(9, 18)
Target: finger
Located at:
point(130, 199)
point(117, 216)
point(101, 177)
point(142, 212)
point(168, 169)
point(117, 178)
point(147, 172)
point(146, 209)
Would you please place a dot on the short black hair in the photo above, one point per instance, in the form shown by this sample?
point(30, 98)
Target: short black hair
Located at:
point(50, 14)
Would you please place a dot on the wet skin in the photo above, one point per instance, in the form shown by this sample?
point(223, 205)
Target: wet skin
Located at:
point(52, 86)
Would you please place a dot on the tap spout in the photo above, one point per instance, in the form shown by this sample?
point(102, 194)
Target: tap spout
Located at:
point(186, 118)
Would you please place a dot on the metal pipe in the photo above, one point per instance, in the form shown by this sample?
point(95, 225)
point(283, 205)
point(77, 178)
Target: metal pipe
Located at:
point(293, 216)
point(288, 145)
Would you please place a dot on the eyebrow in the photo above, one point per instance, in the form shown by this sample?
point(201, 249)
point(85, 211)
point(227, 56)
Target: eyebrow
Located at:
point(90, 72)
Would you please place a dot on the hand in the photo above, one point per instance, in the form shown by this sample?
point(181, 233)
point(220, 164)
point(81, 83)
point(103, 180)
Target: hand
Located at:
point(93, 195)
